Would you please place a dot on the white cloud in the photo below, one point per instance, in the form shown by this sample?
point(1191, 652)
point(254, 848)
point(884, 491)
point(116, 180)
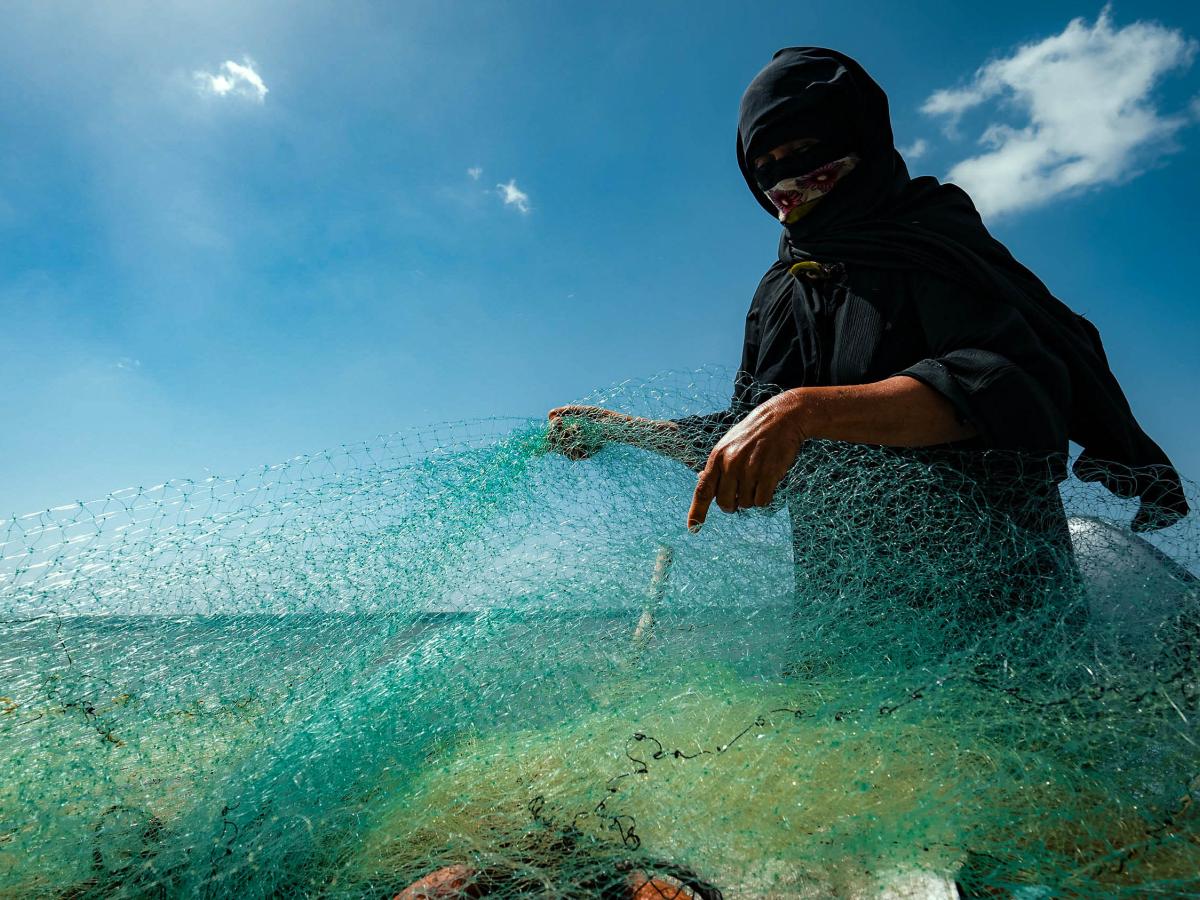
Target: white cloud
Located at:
point(1089, 118)
point(915, 150)
point(475, 172)
point(513, 195)
point(233, 79)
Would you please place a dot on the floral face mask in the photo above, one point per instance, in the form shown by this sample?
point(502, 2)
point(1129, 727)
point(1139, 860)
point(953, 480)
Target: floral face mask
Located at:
point(792, 196)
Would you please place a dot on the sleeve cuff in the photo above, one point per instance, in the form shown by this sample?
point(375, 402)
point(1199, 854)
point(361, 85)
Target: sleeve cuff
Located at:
point(937, 376)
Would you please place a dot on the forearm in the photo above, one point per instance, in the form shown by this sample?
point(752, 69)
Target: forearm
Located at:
point(579, 431)
point(752, 458)
point(896, 412)
point(663, 437)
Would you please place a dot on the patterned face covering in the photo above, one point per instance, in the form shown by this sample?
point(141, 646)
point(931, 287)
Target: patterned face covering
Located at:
point(793, 196)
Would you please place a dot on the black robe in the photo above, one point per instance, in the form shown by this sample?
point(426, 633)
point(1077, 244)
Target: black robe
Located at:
point(859, 325)
point(913, 284)
point(863, 325)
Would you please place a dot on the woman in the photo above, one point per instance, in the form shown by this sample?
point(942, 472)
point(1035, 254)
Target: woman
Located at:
point(891, 318)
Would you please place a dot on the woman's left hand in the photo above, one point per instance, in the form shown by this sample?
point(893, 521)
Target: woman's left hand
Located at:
point(748, 463)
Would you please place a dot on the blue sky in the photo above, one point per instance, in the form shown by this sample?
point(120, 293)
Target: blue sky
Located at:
point(234, 232)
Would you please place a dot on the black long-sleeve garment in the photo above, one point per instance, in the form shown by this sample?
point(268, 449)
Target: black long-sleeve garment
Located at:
point(861, 325)
point(920, 288)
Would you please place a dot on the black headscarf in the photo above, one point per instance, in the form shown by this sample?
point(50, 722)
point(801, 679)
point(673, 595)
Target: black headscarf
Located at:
point(879, 217)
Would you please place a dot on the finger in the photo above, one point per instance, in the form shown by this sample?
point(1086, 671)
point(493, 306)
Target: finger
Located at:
point(768, 484)
point(727, 490)
point(570, 438)
point(745, 493)
point(755, 482)
point(562, 438)
point(706, 490)
point(764, 490)
point(748, 481)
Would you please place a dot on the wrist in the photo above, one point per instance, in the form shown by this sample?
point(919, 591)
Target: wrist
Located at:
point(638, 430)
point(804, 414)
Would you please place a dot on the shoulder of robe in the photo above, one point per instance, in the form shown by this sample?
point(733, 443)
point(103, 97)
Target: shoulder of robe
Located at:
point(773, 279)
point(775, 272)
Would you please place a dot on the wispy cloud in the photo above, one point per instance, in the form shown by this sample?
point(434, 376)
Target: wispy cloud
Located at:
point(475, 172)
point(1088, 116)
point(233, 79)
point(514, 196)
point(915, 150)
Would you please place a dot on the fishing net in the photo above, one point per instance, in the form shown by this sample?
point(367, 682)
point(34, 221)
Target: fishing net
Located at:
point(454, 658)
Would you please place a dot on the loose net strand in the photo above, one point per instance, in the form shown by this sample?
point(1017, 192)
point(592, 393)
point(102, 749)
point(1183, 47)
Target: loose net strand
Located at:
point(452, 659)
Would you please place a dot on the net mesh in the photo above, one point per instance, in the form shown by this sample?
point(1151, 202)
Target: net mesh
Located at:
point(451, 663)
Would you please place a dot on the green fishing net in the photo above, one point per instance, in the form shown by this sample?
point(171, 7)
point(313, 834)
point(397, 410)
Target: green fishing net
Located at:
point(451, 655)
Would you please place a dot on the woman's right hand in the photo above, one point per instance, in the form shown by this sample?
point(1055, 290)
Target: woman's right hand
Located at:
point(579, 432)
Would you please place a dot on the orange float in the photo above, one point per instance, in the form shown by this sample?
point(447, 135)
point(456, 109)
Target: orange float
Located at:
point(447, 882)
point(653, 887)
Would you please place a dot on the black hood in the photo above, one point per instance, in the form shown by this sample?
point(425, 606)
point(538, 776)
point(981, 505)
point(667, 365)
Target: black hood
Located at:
point(879, 217)
point(814, 92)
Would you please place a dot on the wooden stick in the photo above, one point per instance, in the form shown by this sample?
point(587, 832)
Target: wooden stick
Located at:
point(644, 631)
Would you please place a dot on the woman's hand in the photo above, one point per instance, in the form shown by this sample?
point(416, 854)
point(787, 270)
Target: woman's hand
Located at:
point(579, 432)
point(748, 463)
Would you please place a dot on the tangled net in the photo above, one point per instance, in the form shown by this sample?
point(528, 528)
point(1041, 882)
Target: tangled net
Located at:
point(452, 652)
